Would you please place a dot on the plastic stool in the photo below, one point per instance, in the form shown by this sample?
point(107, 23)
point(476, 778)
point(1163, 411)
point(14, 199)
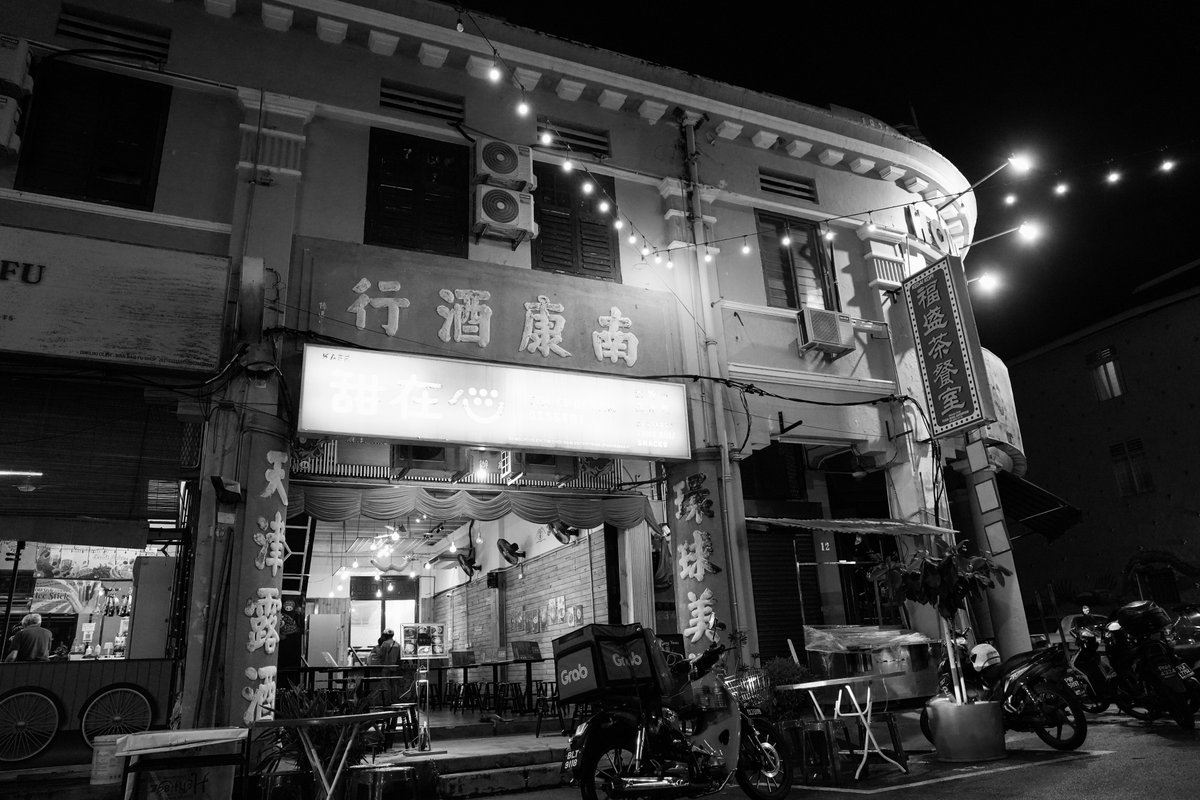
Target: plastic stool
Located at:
point(816, 745)
point(381, 783)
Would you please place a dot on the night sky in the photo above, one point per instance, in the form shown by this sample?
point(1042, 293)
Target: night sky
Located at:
point(1084, 91)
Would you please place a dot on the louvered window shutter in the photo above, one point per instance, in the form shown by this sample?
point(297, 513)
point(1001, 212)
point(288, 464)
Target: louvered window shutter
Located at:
point(572, 238)
point(418, 194)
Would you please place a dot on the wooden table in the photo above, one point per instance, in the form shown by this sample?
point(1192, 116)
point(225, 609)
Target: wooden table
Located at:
point(861, 712)
point(349, 726)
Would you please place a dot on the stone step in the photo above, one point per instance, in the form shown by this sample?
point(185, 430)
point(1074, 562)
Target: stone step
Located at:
point(508, 780)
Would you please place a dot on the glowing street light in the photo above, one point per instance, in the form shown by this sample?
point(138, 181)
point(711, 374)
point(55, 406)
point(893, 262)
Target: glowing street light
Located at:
point(1020, 163)
point(987, 282)
point(1029, 231)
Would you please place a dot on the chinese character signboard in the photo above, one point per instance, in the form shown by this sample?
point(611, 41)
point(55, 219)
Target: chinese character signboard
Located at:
point(423, 303)
point(947, 347)
point(353, 392)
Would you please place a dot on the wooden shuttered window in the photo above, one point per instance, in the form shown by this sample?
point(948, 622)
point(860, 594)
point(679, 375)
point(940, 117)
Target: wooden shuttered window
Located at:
point(418, 194)
point(573, 237)
point(797, 274)
point(94, 135)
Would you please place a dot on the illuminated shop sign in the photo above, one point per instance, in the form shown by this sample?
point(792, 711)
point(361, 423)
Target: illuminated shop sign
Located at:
point(948, 349)
point(352, 392)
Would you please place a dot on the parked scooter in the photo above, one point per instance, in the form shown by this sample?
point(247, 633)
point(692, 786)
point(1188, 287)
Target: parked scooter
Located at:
point(1090, 665)
point(1149, 673)
point(1185, 635)
point(1030, 686)
point(665, 744)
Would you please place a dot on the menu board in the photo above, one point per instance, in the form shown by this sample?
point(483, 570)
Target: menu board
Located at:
point(423, 641)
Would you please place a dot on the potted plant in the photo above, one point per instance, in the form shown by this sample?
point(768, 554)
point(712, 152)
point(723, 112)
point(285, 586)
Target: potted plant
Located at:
point(945, 578)
point(283, 760)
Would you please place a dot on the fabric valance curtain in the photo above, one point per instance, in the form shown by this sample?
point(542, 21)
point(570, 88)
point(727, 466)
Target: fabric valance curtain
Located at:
point(338, 504)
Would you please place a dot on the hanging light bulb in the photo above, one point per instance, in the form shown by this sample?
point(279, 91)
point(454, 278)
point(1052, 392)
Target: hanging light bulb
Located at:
point(391, 587)
point(786, 241)
point(520, 574)
point(707, 257)
point(341, 586)
point(523, 107)
point(494, 72)
point(479, 538)
point(645, 249)
point(1167, 165)
point(453, 547)
point(354, 563)
point(428, 565)
point(619, 223)
point(633, 239)
point(568, 166)
point(378, 593)
point(458, 26)
point(670, 263)
point(377, 575)
point(870, 222)
point(395, 536)
point(745, 246)
point(587, 187)
point(331, 592)
point(604, 206)
point(829, 236)
point(657, 258)
point(547, 138)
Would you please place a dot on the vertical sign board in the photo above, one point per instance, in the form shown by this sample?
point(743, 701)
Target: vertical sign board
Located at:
point(956, 390)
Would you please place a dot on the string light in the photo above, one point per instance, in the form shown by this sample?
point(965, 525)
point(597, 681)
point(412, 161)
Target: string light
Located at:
point(1061, 188)
point(786, 241)
point(494, 72)
point(453, 547)
point(1167, 165)
point(546, 138)
point(1112, 177)
point(568, 166)
point(1010, 199)
point(604, 206)
point(670, 263)
point(587, 187)
point(633, 237)
point(745, 246)
point(523, 106)
point(707, 257)
point(618, 224)
point(458, 26)
point(645, 248)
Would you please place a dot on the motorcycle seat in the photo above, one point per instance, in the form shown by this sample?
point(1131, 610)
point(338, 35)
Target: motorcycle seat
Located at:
point(992, 673)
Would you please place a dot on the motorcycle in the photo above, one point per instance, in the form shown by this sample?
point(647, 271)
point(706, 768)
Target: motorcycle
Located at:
point(1185, 634)
point(1151, 676)
point(668, 744)
point(1035, 689)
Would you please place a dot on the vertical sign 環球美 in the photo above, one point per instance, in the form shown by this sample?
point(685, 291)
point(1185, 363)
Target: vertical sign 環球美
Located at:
point(947, 347)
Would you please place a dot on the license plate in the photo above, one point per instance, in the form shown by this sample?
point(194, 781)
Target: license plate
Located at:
point(1185, 671)
point(1075, 685)
point(570, 761)
point(1166, 671)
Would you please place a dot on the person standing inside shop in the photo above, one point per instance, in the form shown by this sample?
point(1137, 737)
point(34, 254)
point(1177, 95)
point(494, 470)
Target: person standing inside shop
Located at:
point(386, 654)
point(31, 643)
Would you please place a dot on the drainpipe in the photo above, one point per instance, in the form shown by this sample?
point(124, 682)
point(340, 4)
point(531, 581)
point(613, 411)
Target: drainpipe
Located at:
point(712, 363)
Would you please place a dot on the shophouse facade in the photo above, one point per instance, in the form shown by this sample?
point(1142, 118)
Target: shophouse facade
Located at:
point(426, 374)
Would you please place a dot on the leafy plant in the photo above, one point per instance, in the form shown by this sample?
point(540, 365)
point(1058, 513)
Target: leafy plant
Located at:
point(943, 580)
point(786, 705)
point(283, 745)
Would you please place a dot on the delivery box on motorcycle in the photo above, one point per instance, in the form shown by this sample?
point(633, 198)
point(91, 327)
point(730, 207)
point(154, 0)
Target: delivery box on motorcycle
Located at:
point(601, 659)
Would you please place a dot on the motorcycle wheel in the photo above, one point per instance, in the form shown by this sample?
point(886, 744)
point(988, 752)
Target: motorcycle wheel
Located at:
point(1135, 708)
point(1065, 723)
point(925, 726)
point(765, 775)
point(607, 756)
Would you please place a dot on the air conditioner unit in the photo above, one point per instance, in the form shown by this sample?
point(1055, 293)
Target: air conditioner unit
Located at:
point(504, 213)
point(828, 331)
point(15, 80)
point(503, 164)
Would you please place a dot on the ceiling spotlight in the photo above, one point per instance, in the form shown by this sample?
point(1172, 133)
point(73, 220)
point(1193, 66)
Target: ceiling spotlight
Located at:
point(1167, 165)
point(1061, 189)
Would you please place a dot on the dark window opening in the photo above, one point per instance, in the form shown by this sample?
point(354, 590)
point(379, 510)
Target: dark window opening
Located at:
point(574, 236)
point(93, 135)
point(418, 194)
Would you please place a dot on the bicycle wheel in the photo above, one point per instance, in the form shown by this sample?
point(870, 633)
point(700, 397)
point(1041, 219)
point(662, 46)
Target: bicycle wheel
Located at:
point(115, 711)
point(28, 721)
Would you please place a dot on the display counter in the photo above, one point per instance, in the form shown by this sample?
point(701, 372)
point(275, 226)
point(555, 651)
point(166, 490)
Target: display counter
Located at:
point(901, 662)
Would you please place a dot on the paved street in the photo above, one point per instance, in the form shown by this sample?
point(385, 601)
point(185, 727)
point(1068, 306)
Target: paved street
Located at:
point(1122, 758)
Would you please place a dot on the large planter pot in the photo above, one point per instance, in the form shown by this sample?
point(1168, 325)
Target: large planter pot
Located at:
point(968, 732)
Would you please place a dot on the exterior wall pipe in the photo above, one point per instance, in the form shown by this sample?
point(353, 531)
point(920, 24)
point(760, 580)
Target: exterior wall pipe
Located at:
point(712, 364)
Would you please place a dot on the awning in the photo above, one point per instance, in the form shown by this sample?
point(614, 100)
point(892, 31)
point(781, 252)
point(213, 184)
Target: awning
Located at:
point(887, 527)
point(337, 504)
point(1033, 509)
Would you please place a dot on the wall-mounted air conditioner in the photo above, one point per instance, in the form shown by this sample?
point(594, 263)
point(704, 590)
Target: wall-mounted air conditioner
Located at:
point(503, 164)
point(15, 80)
point(828, 331)
point(504, 213)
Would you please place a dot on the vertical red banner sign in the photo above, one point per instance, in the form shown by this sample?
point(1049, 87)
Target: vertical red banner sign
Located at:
point(947, 347)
